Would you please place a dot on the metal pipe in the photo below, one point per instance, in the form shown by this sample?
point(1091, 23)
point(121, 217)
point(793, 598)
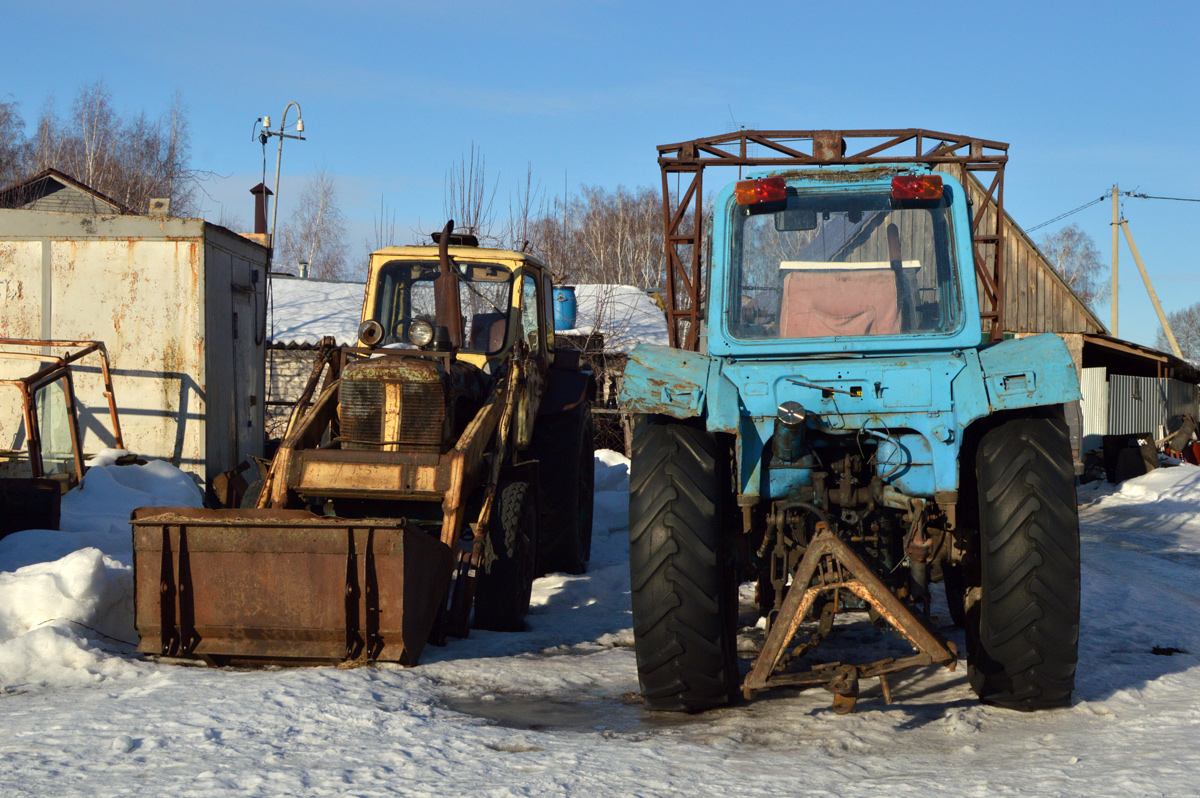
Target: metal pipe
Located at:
point(1162, 317)
point(279, 160)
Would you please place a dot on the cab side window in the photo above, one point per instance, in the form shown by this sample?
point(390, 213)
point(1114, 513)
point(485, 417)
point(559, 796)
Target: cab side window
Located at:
point(529, 312)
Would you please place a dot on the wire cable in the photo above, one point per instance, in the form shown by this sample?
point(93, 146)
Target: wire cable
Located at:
point(1084, 206)
point(1150, 196)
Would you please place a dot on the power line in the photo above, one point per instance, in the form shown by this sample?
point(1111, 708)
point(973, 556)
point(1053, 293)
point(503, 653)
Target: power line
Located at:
point(1084, 206)
point(1149, 196)
point(1103, 197)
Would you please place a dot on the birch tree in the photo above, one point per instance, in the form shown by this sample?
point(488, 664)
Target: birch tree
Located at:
point(315, 232)
point(1075, 257)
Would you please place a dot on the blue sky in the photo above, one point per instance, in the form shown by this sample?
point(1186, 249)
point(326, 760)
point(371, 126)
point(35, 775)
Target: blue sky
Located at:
point(1087, 95)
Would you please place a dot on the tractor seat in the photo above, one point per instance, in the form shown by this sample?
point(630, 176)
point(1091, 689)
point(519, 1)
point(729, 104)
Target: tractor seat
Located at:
point(817, 304)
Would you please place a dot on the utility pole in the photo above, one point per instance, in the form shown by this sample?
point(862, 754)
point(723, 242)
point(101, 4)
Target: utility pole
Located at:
point(1162, 317)
point(1115, 244)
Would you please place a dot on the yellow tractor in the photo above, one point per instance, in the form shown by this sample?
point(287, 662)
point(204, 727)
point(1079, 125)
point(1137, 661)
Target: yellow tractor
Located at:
point(439, 465)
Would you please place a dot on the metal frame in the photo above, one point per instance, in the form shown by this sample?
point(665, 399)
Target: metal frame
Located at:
point(811, 148)
point(58, 368)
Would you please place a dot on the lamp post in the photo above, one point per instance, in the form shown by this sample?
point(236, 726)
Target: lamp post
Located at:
point(264, 136)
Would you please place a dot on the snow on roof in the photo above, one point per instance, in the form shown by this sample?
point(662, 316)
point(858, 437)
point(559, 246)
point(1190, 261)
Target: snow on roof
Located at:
point(303, 311)
point(625, 315)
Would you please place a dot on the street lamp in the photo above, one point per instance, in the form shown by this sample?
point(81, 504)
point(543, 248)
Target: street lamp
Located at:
point(264, 136)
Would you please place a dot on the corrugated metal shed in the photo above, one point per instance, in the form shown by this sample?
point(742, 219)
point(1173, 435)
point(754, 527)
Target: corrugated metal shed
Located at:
point(1093, 384)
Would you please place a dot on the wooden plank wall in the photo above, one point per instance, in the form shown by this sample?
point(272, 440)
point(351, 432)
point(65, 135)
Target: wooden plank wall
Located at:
point(1036, 298)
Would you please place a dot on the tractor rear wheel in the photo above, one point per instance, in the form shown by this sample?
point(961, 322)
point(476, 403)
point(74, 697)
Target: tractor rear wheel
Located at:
point(506, 575)
point(1023, 617)
point(683, 576)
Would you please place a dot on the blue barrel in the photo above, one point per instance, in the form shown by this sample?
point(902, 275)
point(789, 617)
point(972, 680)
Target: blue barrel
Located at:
point(564, 307)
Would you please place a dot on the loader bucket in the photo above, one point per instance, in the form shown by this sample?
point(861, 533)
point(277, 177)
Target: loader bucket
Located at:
point(284, 586)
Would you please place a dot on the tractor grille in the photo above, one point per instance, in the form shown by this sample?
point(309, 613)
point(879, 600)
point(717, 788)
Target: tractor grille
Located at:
point(362, 414)
point(422, 411)
point(422, 414)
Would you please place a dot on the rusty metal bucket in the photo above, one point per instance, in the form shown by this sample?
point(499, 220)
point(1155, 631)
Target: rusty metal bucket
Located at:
point(284, 585)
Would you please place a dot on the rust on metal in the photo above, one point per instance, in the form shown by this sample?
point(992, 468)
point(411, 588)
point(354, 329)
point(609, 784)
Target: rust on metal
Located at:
point(59, 367)
point(683, 222)
point(830, 565)
point(260, 585)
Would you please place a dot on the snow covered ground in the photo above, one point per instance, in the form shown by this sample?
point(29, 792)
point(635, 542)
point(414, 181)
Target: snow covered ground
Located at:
point(554, 710)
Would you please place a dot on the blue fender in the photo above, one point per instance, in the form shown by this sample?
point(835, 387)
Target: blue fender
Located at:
point(659, 379)
point(1028, 372)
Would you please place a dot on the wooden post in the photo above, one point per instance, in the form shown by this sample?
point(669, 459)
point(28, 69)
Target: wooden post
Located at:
point(1115, 243)
point(1162, 317)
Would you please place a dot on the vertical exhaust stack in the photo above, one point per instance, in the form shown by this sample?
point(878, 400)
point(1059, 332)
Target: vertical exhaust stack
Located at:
point(260, 192)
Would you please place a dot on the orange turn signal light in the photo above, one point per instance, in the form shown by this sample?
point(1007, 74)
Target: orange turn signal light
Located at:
point(921, 187)
point(767, 189)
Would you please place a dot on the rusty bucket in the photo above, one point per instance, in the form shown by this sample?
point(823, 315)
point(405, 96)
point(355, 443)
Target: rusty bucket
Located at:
point(284, 586)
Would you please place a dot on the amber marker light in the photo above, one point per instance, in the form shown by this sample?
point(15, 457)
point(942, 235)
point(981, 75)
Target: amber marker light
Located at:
point(767, 189)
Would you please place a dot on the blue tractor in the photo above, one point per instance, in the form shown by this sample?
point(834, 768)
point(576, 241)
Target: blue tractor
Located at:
point(840, 419)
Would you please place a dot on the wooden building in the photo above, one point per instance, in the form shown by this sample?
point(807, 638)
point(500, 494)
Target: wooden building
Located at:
point(55, 191)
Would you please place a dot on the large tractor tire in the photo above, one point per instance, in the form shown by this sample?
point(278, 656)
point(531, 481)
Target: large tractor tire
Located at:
point(682, 570)
point(562, 444)
point(1023, 616)
point(506, 578)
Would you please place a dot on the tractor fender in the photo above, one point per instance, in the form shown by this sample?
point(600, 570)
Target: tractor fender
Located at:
point(1024, 373)
point(566, 390)
point(666, 381)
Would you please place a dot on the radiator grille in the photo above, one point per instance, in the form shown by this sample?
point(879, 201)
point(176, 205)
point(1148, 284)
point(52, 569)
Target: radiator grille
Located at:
point(422, 414)
point(362, 414)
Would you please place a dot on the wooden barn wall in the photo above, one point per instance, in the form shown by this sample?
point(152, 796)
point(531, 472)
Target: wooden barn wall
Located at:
point(1036, 298)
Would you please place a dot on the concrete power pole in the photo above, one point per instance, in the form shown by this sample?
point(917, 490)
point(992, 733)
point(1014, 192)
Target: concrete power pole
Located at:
point(1162, 317)
point(1115, 243)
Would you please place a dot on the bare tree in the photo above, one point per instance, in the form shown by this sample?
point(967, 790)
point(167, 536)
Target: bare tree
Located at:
point(1074, 255)
point(602, 236)
point(231, 219)
point(468, 199)
point(522, 211)
point(132, 160)
point(1185, 324)
point(315, 232)
point(384, 229)
point(14, 146)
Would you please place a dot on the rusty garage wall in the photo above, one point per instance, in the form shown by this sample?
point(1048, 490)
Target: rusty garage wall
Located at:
point(176, 302)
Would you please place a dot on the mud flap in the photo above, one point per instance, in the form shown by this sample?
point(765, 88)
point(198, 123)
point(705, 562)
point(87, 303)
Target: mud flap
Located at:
point(284, 585)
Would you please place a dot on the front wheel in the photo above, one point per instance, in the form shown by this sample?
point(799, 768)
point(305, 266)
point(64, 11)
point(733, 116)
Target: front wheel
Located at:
point(506, 574)
point(683, 576)
point(1023, 616)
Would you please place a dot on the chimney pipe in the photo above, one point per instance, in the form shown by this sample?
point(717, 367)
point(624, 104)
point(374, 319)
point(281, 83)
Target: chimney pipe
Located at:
point(260, 192)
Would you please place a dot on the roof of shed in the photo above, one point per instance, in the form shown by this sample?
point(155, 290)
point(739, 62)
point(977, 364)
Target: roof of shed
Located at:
point(30, 189)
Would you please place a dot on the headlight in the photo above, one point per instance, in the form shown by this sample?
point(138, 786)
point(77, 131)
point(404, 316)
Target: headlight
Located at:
point(420, 333)
point(370, 332)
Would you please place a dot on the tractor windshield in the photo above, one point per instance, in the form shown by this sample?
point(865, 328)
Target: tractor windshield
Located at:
point(405, 295)
point(843, 264)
